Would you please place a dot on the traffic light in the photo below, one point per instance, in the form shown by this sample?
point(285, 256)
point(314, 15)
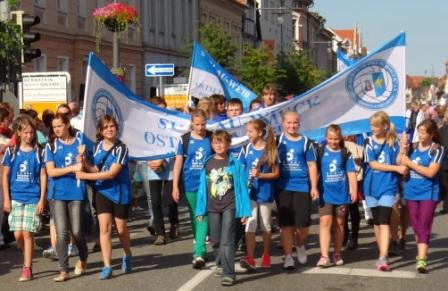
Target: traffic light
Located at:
point(29, 37)
point(26, 21)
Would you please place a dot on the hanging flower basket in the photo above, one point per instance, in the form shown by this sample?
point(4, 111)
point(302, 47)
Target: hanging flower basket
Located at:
point(116, 17)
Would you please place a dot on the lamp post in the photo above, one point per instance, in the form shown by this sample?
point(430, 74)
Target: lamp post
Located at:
point(115, 52)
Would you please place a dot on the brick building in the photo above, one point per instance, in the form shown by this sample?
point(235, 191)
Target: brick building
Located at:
point(66, 29)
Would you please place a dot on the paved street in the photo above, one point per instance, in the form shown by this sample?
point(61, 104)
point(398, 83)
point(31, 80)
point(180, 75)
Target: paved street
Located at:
point(168, 267)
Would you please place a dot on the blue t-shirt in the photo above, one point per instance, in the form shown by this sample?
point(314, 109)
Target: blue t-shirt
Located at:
point(24, 175)
point(64, 187)
point(198, 151)
point(335, 184)
point(418, 187)
point(379, 183)
point(294, 157)
point(118, 189)
point(261, 190)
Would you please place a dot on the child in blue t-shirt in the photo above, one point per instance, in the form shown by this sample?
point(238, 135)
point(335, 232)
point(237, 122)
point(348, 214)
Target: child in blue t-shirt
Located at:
point(339, 189)
point(223, 197)
point(260, 160)
point(63, 158)
point(189, 162)
point(110, 171)
point(24, 186)
point(381, 180)
point(297, 187)
point(422, 189)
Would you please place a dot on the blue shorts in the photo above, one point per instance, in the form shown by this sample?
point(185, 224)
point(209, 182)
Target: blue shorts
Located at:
point(384, 200)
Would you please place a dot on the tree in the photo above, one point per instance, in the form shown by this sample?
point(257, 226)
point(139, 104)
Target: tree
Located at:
point(218, 44)
point(258, 67)
point(426, 83)
point(299, 74)
point(10, 51)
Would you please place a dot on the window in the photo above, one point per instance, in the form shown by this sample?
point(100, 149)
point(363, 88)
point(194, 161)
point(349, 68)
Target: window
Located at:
point(39, 3)
point(82, 14)
point(99, 3)
point(62, 64)
point(152, 16)
point(173, 18)
point(62, 6)
point(162, 17)
point(62, 13)
point(81, 8)
point(40, 64)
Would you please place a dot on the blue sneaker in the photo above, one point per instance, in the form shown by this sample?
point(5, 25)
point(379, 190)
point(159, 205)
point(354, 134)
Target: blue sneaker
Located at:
point(126, 264)
point(106, 273)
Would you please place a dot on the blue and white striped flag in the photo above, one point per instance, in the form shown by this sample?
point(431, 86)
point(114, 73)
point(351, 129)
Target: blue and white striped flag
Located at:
point(207, 77)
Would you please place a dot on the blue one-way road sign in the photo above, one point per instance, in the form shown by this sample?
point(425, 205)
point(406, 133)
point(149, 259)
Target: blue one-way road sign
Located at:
point(159, 70)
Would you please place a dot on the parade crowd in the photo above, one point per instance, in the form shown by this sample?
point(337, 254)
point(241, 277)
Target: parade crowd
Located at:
point(395, 179)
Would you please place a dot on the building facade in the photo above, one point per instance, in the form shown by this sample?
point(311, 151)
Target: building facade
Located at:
point(276, 24)
point(168, 30)
point(311, 36)
point(227, 13)
point(66, 29)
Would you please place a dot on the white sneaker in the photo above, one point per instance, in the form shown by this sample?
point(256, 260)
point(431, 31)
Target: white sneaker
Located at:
point(301, 255)
point(72, 250)
point(289, 263)
point(50, 253)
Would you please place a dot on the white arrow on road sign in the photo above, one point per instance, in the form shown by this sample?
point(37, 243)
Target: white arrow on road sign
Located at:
point(159, 70)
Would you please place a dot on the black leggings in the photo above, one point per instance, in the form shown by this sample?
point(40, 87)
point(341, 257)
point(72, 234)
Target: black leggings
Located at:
point(355, 219)
point(156, 187)
point(381, 215)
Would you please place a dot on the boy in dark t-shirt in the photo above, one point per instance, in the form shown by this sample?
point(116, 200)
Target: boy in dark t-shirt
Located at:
point(222, 196)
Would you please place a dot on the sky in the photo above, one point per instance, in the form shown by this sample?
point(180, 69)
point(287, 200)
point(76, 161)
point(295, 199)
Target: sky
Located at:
point(425, 23)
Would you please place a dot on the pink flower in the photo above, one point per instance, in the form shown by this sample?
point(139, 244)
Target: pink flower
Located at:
point(117, 11)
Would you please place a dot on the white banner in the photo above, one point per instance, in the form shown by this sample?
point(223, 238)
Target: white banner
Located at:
point(376, 82)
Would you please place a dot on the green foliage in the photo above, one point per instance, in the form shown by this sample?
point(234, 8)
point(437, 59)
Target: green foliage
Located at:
point(426, 83)
point(11, 41)
point(12, 4)
point(219, 44)
point(258, 68)
point(299, 74)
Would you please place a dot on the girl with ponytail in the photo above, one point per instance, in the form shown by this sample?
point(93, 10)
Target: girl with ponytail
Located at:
point(381, 180)
point(260, 161)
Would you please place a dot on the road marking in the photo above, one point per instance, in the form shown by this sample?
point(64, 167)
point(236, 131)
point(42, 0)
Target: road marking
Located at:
point(197, 279)
point(202, 275)
point(362, 272)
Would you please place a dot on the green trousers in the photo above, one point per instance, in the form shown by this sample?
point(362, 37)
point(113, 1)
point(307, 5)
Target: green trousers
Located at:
point(200, 228)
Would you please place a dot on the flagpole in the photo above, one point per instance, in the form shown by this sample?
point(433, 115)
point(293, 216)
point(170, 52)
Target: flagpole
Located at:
point(190, 75)
point(84, 107)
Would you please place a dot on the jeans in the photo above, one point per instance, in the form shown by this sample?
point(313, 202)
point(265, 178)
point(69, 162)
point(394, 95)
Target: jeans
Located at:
point(222, 233)
point(67, 216)
point(199, 227)
point(159, 189)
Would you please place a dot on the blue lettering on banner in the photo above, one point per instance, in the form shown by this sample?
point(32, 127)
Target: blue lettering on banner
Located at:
point(169, 124)
point(160, 140)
